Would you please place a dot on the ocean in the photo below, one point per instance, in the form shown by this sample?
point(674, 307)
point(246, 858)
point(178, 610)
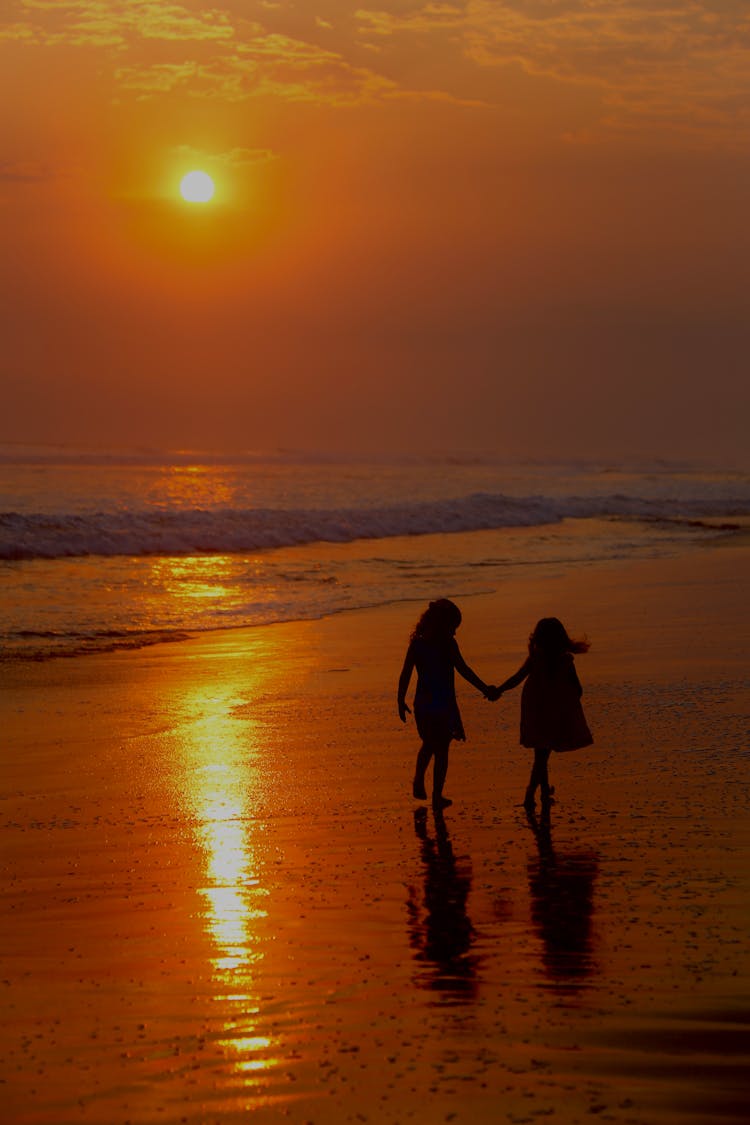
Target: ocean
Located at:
point(106, 550)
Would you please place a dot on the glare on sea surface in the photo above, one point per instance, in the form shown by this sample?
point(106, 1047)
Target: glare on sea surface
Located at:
point(197, 187)
point(195, 578)
point(192, 486)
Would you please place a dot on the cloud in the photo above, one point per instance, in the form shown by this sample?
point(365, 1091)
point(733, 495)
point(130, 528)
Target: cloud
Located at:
point(19, 33)
point(263, 63)
point(670, 64)
point(25, 172)
point(272, 65)
point(229, 61)
point(658, 64)
point(235, 158)
point(158, 78)
point(113, 23)
point(297, 70)
point(423, 18)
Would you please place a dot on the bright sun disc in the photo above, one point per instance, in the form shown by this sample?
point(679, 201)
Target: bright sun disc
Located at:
point(196, 187)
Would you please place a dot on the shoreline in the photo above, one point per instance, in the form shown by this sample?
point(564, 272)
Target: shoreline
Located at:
point(221, 899)
point(518, 574)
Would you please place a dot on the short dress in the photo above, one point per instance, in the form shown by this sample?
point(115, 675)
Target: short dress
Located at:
point(552, 717)
point(436, 710)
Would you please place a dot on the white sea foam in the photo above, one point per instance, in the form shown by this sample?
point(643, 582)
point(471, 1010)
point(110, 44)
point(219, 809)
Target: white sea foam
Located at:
point(230, 530)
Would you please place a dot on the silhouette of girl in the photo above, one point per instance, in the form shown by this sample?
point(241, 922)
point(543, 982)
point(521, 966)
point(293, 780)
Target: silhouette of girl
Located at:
point(435, 654)
point(552, 717)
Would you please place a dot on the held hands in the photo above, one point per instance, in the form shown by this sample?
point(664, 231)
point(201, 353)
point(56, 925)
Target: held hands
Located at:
point(491, 693)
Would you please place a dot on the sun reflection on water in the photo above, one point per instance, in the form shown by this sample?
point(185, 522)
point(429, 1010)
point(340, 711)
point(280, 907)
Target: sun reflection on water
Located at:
point(195, 486)
point(195, 577)
point(224, 788)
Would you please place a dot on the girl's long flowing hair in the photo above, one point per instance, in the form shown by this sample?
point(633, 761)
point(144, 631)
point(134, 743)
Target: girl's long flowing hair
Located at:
point(550, 638)
point(438, 622)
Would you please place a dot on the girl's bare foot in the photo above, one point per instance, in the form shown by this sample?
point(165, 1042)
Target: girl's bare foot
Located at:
point(418, 790)
point(441, 802)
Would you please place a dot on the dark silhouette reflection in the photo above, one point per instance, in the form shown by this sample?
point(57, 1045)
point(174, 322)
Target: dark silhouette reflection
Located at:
point(440, 930)
point(562, 904)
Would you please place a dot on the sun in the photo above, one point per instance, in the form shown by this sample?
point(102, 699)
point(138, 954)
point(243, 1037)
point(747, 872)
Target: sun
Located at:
point(197, 187)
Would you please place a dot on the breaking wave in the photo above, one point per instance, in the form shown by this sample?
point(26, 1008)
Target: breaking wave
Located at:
point(236, 530)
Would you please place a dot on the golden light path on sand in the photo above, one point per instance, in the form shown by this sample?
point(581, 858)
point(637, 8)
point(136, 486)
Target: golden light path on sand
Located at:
point(222, 777)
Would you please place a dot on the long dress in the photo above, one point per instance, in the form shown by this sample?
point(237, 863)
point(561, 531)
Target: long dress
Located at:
point(552, 717)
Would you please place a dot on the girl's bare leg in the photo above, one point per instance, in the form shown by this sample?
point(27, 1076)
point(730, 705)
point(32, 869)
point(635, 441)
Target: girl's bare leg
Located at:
point(438, 776)
point(539, 778)
point(544, 786)
point(423, 760)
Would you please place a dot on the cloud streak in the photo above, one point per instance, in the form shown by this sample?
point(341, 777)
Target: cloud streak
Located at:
point(24, 172)
point(115, 23)
point(236, 157)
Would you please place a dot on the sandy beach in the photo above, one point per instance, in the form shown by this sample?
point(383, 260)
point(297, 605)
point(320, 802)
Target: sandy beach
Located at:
point(221, 904)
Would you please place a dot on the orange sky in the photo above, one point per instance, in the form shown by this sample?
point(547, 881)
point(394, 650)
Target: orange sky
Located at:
point(509, 225)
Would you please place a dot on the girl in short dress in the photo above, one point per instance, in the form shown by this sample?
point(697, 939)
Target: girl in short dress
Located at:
point(552, 717)
point(435, 654)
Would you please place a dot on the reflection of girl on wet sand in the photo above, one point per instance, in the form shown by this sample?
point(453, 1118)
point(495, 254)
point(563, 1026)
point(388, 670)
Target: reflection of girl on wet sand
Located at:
point(440, 930)
point(551, 713)
point(561, 885)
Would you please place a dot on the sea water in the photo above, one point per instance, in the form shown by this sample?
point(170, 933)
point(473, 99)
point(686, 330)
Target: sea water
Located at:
point(102, 550)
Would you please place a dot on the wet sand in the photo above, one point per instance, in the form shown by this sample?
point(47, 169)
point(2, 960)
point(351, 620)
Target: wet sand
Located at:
point(221, 904)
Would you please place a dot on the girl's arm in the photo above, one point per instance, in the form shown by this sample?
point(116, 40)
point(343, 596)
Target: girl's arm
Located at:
point(468, 674)
point(516, 678)
point(403, 684)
